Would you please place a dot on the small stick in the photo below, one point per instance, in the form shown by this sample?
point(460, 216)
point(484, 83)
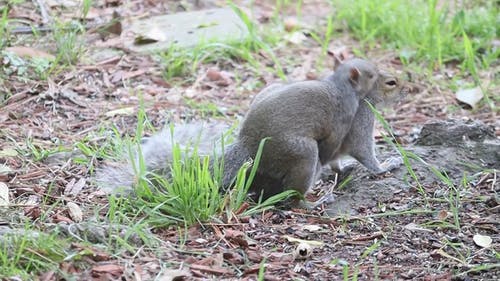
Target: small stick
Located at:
point(45, 15)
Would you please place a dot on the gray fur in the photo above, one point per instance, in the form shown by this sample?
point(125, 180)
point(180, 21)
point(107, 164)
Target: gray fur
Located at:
point(312, 123)
point(306, 123)
point(157, 153)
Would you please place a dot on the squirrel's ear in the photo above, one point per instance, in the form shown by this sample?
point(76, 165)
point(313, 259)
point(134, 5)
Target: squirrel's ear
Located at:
point(354, 75)
point(336, 62)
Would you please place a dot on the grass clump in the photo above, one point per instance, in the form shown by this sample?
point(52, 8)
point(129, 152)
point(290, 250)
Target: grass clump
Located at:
point(192, 192)
point(27, 253)
point(425, 29)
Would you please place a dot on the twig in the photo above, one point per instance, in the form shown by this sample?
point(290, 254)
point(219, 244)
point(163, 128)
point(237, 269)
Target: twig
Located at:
point(45, 15)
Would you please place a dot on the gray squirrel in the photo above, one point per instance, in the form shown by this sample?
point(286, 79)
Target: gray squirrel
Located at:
point(307, 125)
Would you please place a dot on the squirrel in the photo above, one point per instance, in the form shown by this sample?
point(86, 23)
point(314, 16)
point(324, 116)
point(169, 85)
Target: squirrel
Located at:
point(311, 124)
point(307, 125)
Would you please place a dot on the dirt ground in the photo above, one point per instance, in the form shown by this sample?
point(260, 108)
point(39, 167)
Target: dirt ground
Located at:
point(412, 224)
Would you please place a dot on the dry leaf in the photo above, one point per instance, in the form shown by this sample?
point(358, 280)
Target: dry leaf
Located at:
point(174, 274)
point(29, 52)
point(222, 78)
point(121, 111)
point(415, 227)
point(311, 227)
point(113, 269)
point(470, 96)
point(442, 215)
point(75, 212)
point(4, 194)
point(73, 188)
point(310, 242)
point(296, 37)
point(482, 240)
point(8, 152)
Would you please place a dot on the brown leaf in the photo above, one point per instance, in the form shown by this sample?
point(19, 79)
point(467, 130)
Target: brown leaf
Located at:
point(113, 269)
point(222, 78)
point(73, 188)
point(28, 52)
point(60, 218)
point(211, 269)
point(233, 257)
point(173, 274)
point(94, 253)
point(33, 212)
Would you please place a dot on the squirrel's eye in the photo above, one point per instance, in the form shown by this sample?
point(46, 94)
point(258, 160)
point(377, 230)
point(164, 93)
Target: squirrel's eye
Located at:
point(391, 82)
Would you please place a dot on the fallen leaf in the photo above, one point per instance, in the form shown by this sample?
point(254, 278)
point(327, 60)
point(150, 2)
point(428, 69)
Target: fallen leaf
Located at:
point(33, 212)
point(483, 241)
point(28, 52)
point(201, 240)
point(121, 111)
point(236, 236)
point(63, 3)
point(310, 242)
point(73, 188)
point(442, 215)
point(8, 152)
point(4, 169)
point(74, 212)
point(4, 194)
point(113, 269)
point(174, 274)
point(470, 96)
point(222, 78)
point(415, 227)
point(296, 37)
point(311, 228)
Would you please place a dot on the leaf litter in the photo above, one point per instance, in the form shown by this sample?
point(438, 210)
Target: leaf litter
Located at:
point(372, 242)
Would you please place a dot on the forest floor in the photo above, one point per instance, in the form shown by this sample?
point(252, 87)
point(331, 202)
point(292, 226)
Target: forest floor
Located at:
point(432, 220)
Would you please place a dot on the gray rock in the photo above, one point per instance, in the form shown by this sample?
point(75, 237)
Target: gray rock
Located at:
point(187, 29)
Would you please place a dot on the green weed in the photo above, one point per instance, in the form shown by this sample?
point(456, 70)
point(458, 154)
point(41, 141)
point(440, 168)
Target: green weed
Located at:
point(4, 32)
point(28, 253)
point(424, 30)
point(406, 155)
point(69, 42)
point(24, 68)
point(184, 62)
point(180, 62)
point(324, 41)
point(39, 153)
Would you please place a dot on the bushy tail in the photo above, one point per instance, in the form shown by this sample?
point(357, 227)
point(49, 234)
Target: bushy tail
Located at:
point(120, 177)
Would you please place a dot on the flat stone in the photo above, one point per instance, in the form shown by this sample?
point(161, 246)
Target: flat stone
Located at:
point(186, 29)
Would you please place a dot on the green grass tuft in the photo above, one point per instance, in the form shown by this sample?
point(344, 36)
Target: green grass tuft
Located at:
point(432, 31)
point(27, 253)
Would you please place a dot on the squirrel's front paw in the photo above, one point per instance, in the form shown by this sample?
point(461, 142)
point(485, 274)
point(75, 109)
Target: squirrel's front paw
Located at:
point(392, 163)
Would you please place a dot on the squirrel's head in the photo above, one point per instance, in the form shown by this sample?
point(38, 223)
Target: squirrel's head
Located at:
point(361, 74)
point(388, 88)
point(368, 81)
